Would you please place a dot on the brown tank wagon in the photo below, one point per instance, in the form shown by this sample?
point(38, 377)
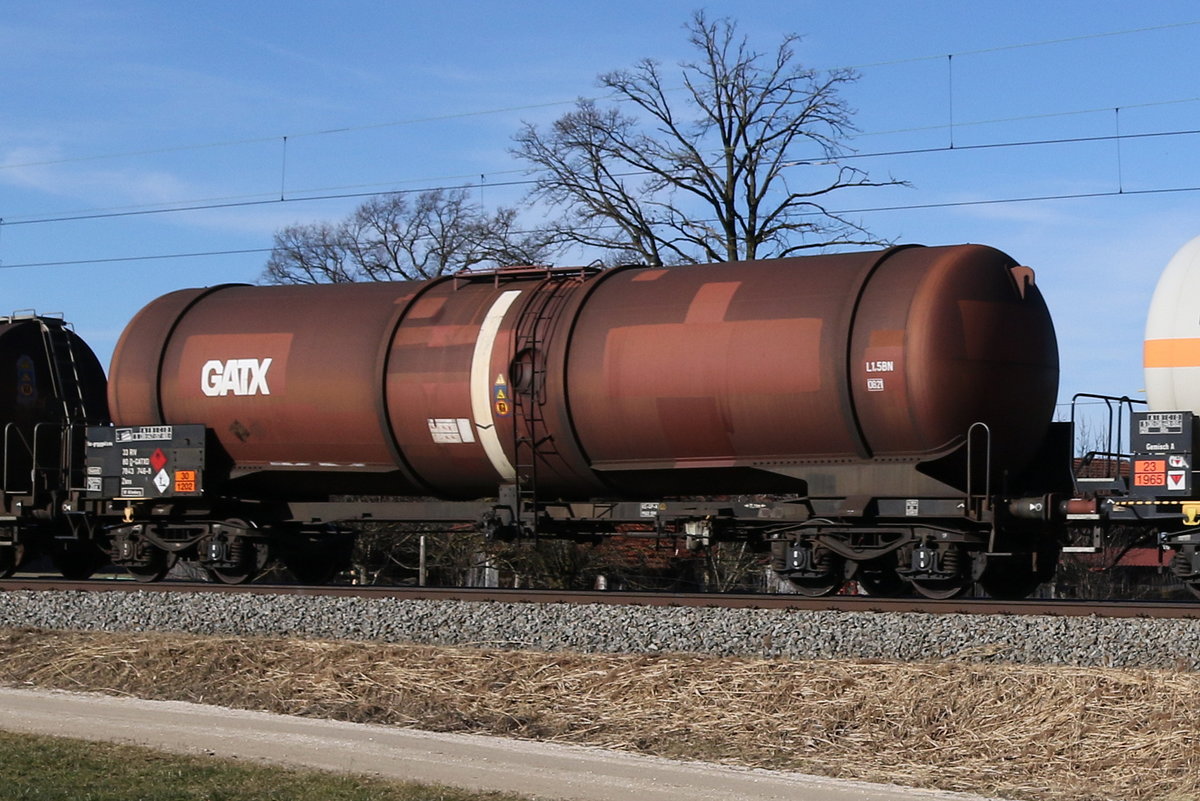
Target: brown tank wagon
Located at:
point(725, 378)
point(873, 396)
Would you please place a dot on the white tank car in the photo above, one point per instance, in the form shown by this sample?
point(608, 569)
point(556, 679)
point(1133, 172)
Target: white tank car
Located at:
point(1172, 350)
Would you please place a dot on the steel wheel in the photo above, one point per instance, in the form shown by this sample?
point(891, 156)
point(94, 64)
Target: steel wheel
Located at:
point(1009, 589)
point(10, 559)
point(77, 561)
point(825, 575)
point(156, 570)
point(941, 589)
point(817, 587)
point(243, 561)
point(1016, 577)
point(882, 582)
point(316, 558)
point(948, 575)
point(229, 575)
point(1010, 582)
point(313, 568)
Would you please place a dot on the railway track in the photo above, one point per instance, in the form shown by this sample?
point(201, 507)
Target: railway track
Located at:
point(839, 603)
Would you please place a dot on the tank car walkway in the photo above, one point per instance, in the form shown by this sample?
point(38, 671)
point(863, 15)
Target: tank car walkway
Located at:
point(542, 770)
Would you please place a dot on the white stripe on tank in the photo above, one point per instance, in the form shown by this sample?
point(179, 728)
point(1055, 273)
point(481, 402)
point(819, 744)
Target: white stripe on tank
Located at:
point(481, 385)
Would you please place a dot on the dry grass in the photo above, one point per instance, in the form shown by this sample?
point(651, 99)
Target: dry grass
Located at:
point(1010, 730)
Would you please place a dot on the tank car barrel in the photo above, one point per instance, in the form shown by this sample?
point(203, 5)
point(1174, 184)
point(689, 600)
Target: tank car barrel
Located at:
point(633, 381)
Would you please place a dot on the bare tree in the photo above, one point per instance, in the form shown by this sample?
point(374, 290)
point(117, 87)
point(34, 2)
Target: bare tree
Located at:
point(389, 238)
point(707, 180)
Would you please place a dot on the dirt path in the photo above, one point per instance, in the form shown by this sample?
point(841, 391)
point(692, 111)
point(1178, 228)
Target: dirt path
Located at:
point(543, 770)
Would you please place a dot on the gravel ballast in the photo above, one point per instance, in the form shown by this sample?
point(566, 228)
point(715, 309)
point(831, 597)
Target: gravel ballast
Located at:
point(596, 628)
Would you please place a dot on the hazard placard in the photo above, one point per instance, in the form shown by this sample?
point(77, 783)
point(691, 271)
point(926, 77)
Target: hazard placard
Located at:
point(185, 480)
point(501, 399)
point(1149, 472)
point(145, 461)
point(1162, 476)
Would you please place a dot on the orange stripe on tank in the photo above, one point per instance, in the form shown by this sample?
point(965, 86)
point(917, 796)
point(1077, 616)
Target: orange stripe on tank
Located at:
point(711, 302)
point(1171, 353)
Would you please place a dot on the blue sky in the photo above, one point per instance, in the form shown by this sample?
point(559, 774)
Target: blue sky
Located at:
point(128, 108)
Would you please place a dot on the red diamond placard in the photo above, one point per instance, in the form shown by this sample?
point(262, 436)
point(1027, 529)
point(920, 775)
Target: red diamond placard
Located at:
point(158, 459)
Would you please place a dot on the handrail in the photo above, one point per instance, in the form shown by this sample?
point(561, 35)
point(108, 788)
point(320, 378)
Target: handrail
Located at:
point(9, 430)
point(1115, 454)
point(987, 466)
point(497, 275)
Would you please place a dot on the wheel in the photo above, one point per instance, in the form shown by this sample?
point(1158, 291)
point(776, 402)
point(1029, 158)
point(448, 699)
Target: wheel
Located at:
point(1183, 568)
point(1012, 588)
point(78, 561)
point(941, 573)
point(160, 564)
point(234, 555)
point(230, 575)
point(1010, 582)
point(882, 582)
point(941, 589)
point(1016, 577)
point(817, 587)
point(823, 575)
point(313, 568)
point(314, 557)
point(10, 559)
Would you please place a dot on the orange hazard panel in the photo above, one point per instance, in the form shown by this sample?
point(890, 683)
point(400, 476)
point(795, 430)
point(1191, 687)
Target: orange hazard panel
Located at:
point(185, 480)
point(1150, 472)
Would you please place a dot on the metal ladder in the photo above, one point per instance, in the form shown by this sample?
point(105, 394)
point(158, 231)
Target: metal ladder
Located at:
point(64, 369)
point(535, 445)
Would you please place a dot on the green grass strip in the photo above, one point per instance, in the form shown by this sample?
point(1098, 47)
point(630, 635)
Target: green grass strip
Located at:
point(57, 769)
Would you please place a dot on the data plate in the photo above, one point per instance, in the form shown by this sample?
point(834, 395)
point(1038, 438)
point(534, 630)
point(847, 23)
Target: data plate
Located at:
point(145, 462)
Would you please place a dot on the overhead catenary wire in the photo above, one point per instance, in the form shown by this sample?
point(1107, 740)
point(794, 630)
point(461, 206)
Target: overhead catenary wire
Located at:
point(862, 210)
point(555, 103)
point(297, 196)
point(155, 257)
point(1026, 45)
point(335, 193)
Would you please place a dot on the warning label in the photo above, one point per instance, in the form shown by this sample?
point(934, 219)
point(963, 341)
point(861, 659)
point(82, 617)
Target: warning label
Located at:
point(145, 461)
point(144, 433)
point(1150, 472)
point(1155, 475)
point(185, 480)
point(451, 430)
point(501, 397)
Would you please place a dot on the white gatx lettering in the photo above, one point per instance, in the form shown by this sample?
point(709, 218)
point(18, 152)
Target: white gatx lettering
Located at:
point(235, 377)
